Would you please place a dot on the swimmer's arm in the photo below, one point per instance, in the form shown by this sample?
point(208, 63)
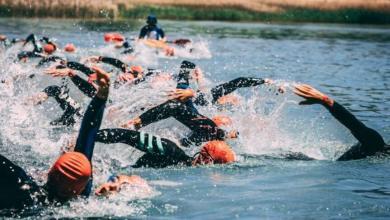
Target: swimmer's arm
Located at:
point(115, 62)
point(85, 87)
point(93, 116)
point(120, 180)
point(361, 132)
point(80, 67)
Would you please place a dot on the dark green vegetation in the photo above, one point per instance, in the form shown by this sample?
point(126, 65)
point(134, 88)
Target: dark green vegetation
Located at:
point(353, 15)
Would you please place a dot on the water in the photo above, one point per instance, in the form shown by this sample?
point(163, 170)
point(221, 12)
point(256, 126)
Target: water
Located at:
point(350, 63)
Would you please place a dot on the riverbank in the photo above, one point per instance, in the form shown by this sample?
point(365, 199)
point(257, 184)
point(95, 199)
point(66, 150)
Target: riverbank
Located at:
point(330, 11)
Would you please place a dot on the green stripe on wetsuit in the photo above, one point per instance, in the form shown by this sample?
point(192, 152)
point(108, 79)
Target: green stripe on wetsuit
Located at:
point(149, 147)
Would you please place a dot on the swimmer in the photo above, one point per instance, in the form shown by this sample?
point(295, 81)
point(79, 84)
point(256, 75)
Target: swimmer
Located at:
point(151, 30)
point(370, 141)
point(162, 152)
point(203, 129)
point(71, 174)
point(38, 51)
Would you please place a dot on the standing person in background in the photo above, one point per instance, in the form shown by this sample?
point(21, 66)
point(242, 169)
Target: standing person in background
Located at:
point(152, 30)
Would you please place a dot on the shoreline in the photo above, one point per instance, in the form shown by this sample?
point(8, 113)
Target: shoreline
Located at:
point(291, 14)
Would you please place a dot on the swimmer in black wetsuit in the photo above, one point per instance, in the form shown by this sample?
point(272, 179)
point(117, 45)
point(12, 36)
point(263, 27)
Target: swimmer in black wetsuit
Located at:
point(203, 129)
point(135, 74)
point(189, 72)
point(71, 174)
point(370, 141)
point(38, 50)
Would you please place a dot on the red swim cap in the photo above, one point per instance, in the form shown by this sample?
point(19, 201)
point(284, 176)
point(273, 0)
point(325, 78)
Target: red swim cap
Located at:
point(69, 175)
point(49, 48)
point(70, 48)
point(220, 120)
point(217, 152)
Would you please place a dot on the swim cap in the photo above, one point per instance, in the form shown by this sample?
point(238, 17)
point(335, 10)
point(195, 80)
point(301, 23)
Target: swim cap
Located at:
point(118, 37)
point(219, 151)
point(108, 37)
point(151, 20)
point(137, 69)
point(49, 48)
point(69, 175)
point(70, 48)
point(187, 65)
point(221, 120)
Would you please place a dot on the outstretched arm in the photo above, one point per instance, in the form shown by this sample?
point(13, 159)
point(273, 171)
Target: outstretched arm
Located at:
point(93, 116)
point(370, 139)
point(229, 87)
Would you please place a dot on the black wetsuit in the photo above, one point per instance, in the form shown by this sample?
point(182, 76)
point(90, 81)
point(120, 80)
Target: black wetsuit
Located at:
point(227, 88)
point(370, 141)
point(19, 190)
point(203, 129)
point(36, 52)
point(159, 152)
point(71, 108)
point(123, 67)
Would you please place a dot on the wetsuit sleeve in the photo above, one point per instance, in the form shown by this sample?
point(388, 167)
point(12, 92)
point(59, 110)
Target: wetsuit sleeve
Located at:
point(370, 139)
point(229, 87)
point(115, 62)
point(143, 32)
point(161, 33)
point(90, 126)
point(200, 99)
point(37, 46)
point(84, 86)
point(70, 107)
point(16, 187)
point(49, 59)
point(142, 141)
point(158, 113)
point(80, 67)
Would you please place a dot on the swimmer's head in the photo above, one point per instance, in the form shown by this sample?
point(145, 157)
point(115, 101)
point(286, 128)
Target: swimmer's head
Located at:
point(136, 70)
point(69, 175)
point(214, 152)
point(115, 37)
point(49, 48)
point(151, 19)
point(185, 69)
point(222, 120)
point(108, 37)
point(70, 48)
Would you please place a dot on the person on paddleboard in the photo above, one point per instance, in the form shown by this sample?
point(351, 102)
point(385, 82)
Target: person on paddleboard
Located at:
point(151, 30)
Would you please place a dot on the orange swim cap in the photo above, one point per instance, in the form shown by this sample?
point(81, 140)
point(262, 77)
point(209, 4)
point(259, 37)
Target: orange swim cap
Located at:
point(217, 152)
point(118, 37)
point(137, 69)
point(49, 48)
point(70, 48)
point(221, 120)
point(108, 37)
point(69, 175)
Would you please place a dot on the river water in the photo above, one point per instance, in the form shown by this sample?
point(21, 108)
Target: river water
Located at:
point(351, 63)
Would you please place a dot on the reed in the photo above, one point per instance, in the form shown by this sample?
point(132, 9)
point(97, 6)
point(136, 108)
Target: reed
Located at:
point(341, 11)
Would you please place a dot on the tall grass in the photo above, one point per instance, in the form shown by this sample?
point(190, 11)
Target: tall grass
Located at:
point(342, 11)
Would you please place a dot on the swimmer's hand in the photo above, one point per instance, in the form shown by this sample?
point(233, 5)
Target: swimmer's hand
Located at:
point(3, 37)
point(182, 95)
point(232, 134)
point(125, 77)
point(37, 99)
point(103, 82)
point(93, 59)
point(53, 71)
point(112, 187)
point(229, 100)
point(136, 122)
point(312, 95)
